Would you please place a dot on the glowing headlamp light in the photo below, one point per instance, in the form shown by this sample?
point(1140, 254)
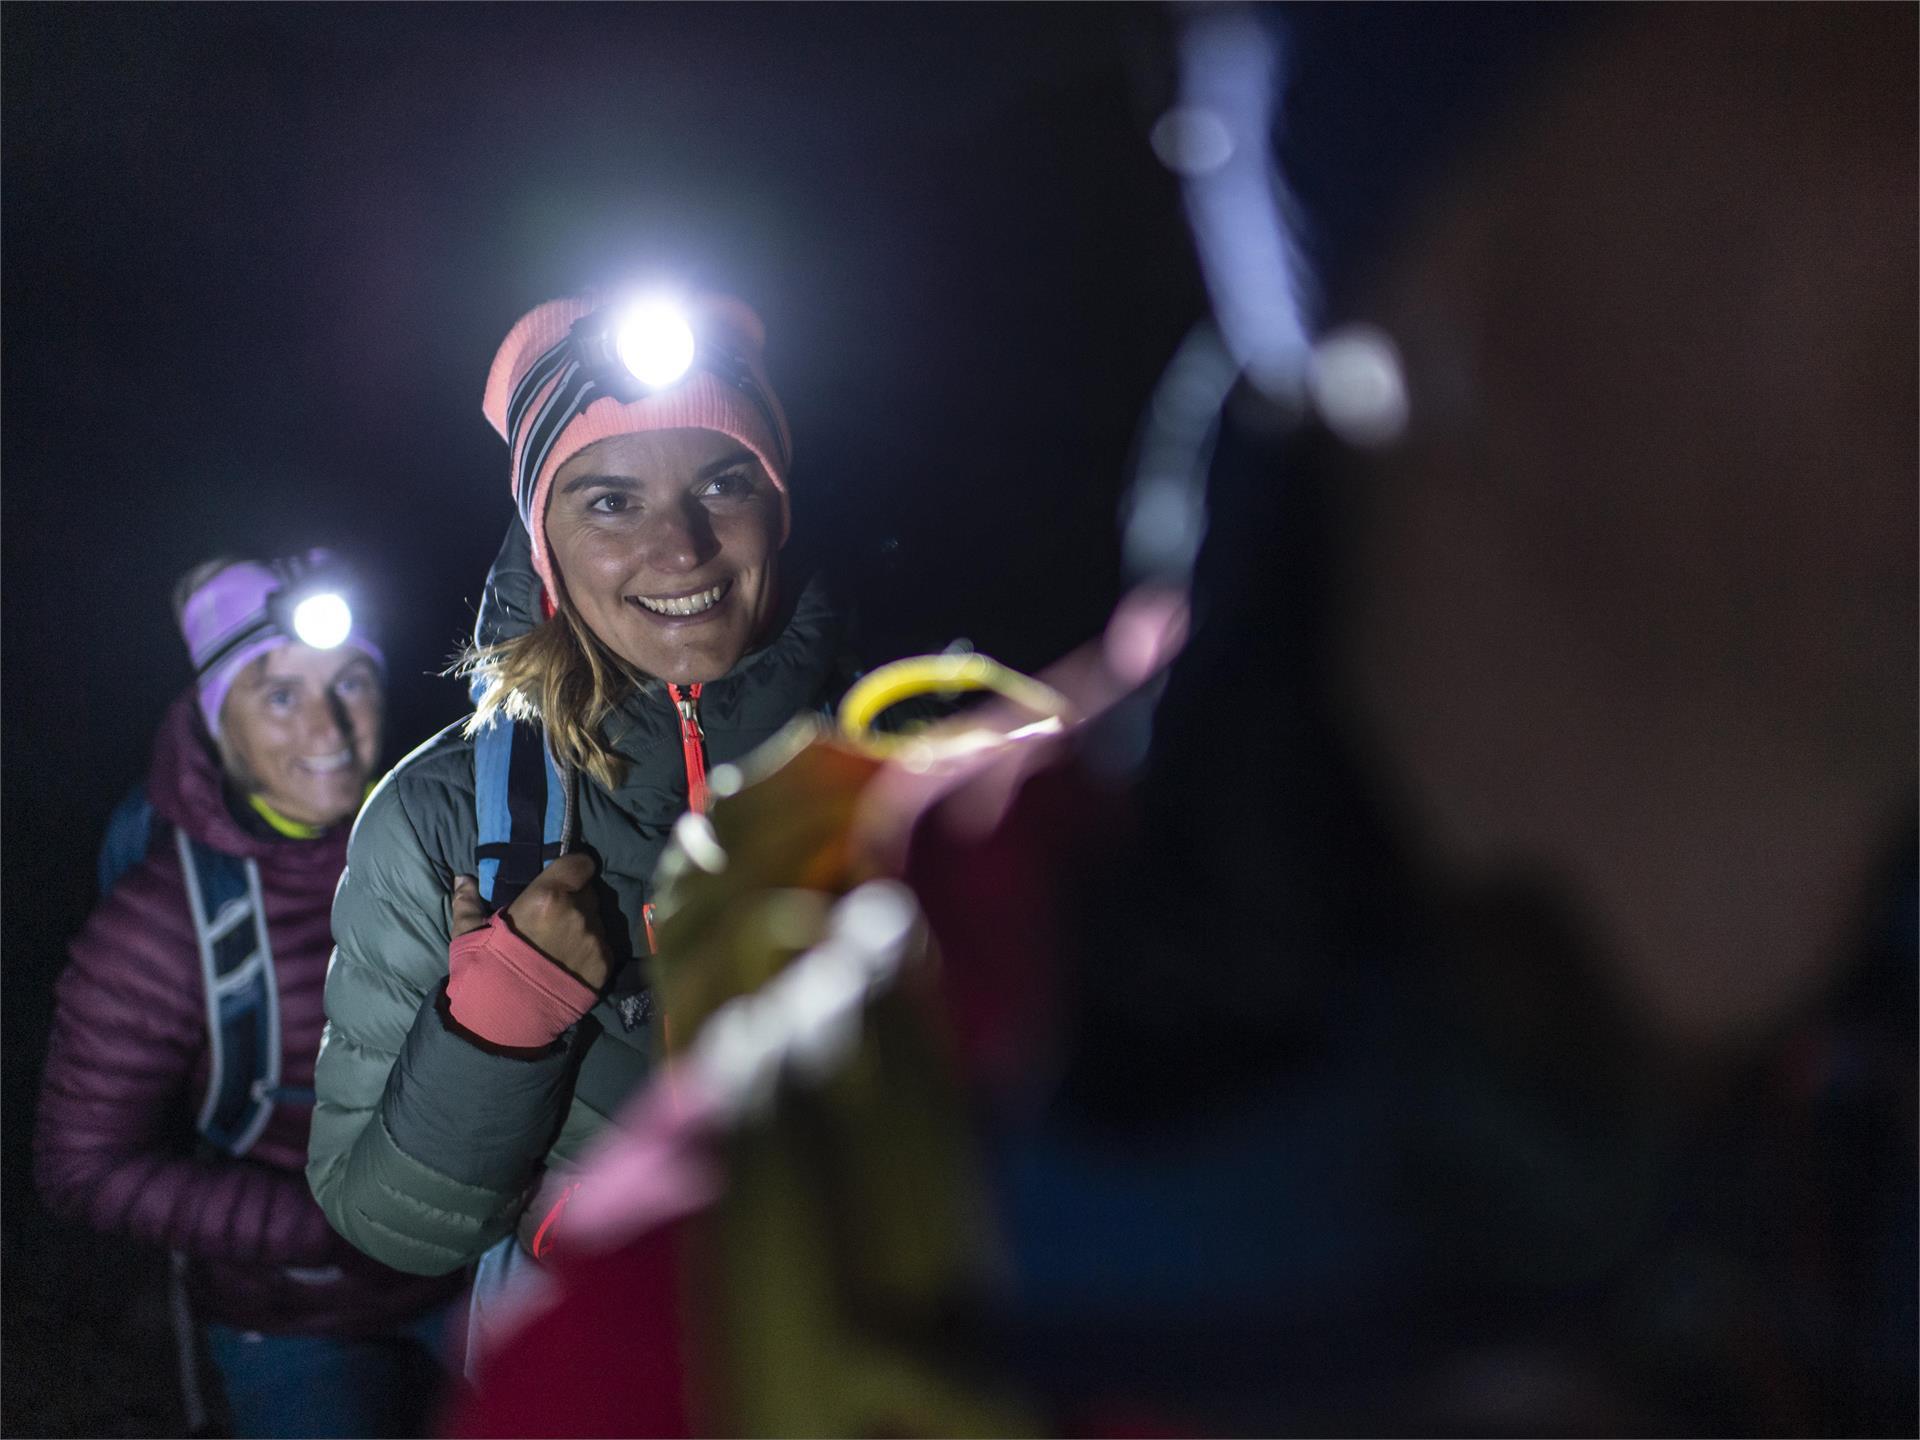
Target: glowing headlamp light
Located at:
point(323, 621)
point(655, 343)
point(311, 607)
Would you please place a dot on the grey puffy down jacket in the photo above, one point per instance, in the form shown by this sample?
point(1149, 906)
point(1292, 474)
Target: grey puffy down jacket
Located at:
point(426, 1147)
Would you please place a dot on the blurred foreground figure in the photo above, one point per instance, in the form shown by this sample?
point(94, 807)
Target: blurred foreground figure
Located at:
point(1473, 991)
point(178, 1088)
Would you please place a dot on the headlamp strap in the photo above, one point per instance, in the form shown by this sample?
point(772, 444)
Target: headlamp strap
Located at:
point(245, 635)
point(570, 393)
point(289, 571)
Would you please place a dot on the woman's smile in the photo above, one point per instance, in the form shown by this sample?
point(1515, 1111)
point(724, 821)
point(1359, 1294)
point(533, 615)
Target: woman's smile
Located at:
point(326, 764)
point(684, 606)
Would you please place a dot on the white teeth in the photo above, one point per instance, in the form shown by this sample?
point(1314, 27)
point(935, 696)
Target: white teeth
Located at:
point(327, 762)
point(685, 604)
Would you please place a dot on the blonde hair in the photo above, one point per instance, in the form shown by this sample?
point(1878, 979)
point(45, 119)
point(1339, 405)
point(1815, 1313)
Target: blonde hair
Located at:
point(562, 675)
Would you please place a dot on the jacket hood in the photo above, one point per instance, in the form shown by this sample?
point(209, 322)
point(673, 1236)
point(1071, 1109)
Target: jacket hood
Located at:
point(510, 604)
point(187, 788)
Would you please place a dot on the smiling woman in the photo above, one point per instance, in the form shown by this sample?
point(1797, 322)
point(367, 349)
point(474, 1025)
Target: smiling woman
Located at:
point(178, 1086)
point(300, 732)
point(661, 516)
point(637, 625)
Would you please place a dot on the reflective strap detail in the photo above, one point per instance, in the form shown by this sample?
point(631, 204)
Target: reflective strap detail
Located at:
point(242, 995)
point(210, 978)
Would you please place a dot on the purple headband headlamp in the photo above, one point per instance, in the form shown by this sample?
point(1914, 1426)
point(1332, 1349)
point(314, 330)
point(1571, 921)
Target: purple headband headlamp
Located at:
point(248, 608)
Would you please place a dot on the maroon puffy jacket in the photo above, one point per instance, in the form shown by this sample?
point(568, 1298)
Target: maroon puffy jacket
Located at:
point(127, 1065)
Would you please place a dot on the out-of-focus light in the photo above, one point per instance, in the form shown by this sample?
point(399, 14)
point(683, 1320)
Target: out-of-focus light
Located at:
point(1359, 386)
point(1191, 140)
point(322, 621)
point(878, 920)
point(655, 342)
point(1148, 627)
point(809, 1015)
point(696, 836)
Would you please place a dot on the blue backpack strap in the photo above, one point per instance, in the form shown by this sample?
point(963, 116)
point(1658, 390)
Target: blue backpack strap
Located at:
point(243, 999)
point(519, 806)
point(129, 835)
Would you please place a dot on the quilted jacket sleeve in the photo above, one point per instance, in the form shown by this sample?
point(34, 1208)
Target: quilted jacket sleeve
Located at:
point(425, 1143)
point(113, 1142)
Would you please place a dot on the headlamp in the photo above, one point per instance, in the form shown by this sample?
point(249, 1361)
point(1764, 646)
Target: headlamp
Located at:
point(642, 348)
point(311, 605)
point(628, 352)
point(308, 604)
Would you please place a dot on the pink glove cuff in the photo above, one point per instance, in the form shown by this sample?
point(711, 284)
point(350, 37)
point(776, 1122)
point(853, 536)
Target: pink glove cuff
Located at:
point(503, 990)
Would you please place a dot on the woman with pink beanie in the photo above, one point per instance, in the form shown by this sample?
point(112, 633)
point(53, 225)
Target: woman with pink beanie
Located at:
point(486, 1014)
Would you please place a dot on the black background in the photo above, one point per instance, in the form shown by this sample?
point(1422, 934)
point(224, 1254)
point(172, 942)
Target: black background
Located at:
point(256, 262)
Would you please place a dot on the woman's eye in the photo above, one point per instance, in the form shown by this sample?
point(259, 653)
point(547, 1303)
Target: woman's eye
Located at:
point(611, 503)
point(734, 485)
point(280, 699)
point(352, 685)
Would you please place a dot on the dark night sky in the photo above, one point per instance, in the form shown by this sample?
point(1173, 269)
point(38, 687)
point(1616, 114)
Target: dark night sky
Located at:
point(257, 258)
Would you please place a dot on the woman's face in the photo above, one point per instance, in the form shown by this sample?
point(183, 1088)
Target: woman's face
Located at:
point(301, 729)
point(666, 543)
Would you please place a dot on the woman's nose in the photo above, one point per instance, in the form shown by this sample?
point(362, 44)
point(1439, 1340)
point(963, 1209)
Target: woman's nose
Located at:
point(328, 720)
point(680, 539)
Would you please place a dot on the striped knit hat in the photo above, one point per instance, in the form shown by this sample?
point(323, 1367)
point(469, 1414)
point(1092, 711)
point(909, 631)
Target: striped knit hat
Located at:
point(230, 614)
point(548, 403)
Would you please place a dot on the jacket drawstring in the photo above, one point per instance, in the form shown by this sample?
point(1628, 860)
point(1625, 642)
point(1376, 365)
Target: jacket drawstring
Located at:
point(693, 744)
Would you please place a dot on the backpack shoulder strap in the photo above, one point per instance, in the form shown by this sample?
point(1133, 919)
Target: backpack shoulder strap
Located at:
point(519, 806)
point(243, 1000)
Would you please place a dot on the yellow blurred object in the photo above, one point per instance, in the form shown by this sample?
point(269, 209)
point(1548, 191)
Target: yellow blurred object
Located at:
point(782, 832)
point(781, 845)
point(919, 675)
point(852, 1228)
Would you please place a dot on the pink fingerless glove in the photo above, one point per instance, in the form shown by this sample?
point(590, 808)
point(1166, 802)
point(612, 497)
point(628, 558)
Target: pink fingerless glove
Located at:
point(503, 990)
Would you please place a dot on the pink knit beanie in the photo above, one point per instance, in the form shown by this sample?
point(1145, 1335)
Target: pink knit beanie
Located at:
point(718, 393)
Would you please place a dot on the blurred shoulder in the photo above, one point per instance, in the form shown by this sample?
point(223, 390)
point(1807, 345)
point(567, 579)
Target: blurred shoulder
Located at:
point(146, 918)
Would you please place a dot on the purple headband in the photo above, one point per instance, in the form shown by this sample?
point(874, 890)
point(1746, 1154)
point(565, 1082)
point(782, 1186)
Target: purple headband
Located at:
point(239, 614)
